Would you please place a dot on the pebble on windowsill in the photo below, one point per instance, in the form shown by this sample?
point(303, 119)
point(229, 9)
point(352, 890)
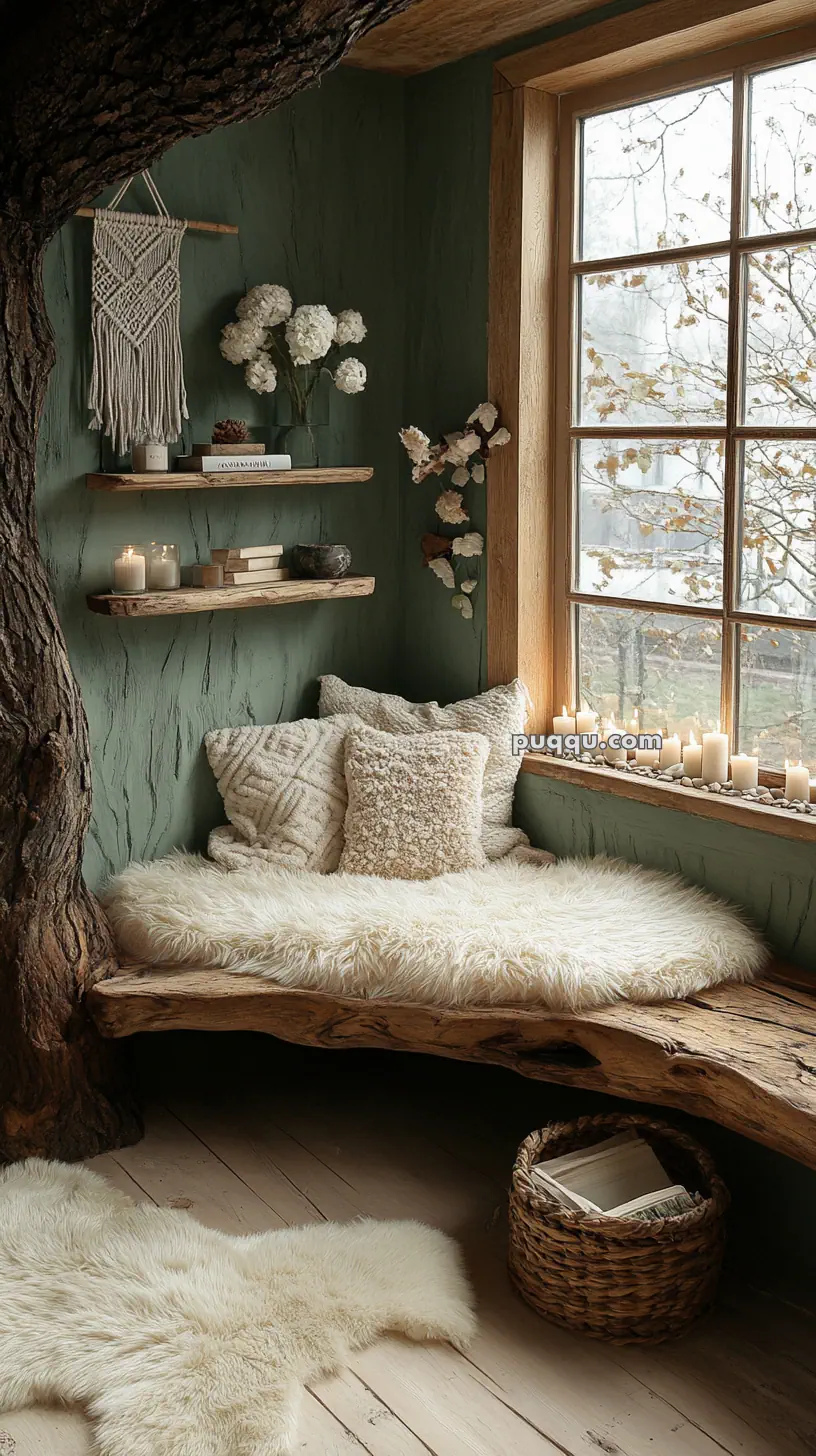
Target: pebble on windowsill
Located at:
point(768, 798)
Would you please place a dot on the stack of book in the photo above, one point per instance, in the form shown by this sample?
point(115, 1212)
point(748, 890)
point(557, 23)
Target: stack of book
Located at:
point(250, 565)
point(621, 1177)
point(224, 459)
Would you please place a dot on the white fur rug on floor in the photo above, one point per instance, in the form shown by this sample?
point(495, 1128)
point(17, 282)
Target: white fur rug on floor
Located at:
point(182, 1341)
point(575, 935)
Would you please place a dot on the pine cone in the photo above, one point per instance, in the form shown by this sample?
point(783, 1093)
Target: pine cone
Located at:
point(230, 432)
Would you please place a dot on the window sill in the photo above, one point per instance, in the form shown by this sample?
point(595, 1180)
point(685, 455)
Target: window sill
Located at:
point(674, 796)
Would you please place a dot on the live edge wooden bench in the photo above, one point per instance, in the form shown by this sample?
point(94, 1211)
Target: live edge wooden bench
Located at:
point(744, 1056)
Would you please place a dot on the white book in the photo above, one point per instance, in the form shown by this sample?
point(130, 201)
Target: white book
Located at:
point(258, 578)
point(228, 464)
point(556, 1166)
point(242, 553)
point(253, 563)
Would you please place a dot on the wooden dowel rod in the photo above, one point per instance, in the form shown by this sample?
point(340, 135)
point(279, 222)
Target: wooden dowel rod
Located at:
point(196, 227)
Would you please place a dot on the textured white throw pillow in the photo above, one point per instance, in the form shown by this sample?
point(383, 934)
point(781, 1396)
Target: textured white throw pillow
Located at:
point(284, 792)
point(497, 714)
point(414, 803)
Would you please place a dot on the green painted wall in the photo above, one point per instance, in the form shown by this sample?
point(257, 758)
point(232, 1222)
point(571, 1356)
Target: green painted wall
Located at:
point(317, 193)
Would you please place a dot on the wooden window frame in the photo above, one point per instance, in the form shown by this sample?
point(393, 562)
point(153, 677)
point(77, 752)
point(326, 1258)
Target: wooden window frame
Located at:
point(537, 97)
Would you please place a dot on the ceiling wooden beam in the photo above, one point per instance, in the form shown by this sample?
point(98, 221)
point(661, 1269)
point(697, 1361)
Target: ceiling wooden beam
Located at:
point(432, 32)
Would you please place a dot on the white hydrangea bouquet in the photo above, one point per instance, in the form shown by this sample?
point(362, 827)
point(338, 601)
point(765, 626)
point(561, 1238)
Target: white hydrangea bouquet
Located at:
point(465, 453)
point(276, 341)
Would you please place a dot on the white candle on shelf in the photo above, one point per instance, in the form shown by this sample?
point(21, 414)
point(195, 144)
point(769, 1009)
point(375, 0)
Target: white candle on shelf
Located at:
point(671, 752)
point(586, 721)
point(129, 571)
point(650, 757)
point(693, 759)
point(744, 771)
point(164, 568)
point(715, 758)
point(614, 755)
point(797, 781)
point(564, 722)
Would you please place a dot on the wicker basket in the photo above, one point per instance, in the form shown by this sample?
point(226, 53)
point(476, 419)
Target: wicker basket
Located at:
point(617, 1279)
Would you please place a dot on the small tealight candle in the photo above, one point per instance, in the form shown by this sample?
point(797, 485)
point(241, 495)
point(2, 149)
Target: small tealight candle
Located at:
point(564, 722)
point(744, 771)
point(614, 755)
point(671, 752)
point(693, 759)
point(129, 571)
point(586, 721)
point(715, 758)
point(797, 781)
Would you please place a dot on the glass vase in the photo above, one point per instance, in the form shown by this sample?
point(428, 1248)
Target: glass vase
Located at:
point(302, 442)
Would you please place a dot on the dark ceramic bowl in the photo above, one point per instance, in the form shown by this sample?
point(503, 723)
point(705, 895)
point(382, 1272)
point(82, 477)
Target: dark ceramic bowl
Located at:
point(321, 561)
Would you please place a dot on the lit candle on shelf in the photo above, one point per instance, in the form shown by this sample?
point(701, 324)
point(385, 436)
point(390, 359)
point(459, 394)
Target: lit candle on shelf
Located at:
point(671, 752)
point(693, 759)
point(648, 757)
point(586, 721)
point(564, 722)
point(715, 757)
point(614, 755)
point(744, 771)
point(129, 571)
point(797, 781)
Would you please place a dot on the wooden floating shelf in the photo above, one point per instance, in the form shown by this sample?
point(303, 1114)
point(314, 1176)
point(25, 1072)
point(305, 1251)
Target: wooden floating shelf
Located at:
point(182, 480)
point(228, 598)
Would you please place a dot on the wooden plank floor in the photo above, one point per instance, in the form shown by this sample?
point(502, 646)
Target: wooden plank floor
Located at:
point(267, 1135)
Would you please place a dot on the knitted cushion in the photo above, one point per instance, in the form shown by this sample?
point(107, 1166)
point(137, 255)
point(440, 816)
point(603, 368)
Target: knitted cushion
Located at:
point(497, 714)
point(284, 793)
point(414, 803)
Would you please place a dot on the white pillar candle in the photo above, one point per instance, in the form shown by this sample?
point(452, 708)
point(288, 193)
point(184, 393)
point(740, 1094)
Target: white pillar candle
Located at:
point(671, 752)
point(164, 572)
point(129, 571)
point(564, 722)
point(650, 757)
point(693, 759)
point(614, 755)
point(744, 771)
point(797, 781)
point(586, 721)
point(715, 758)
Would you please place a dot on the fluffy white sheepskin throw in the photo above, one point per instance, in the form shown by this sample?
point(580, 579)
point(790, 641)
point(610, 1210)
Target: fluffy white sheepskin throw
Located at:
point(576, 935)
point(182, 1341)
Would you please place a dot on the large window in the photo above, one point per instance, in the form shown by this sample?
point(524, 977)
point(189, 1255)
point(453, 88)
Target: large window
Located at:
point(684, 481)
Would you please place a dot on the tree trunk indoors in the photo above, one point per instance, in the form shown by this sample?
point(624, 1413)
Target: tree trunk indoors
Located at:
point(88, 95)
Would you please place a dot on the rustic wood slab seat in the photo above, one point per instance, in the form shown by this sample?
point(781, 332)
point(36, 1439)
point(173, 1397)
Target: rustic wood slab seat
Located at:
point(743, 1056)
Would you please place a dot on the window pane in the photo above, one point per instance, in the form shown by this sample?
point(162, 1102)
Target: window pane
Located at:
point(666, 666)
point(777, 700)
point(779, 528)
point(657, 175)
point(782, 178)
point(650, 519)
point(653, 344)
point(780, 354)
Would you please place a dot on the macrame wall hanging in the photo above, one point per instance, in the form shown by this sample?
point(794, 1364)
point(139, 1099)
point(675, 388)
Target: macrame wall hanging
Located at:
point(137, 386)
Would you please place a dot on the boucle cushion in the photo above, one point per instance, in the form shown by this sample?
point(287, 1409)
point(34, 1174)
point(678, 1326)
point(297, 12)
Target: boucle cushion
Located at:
point(576, 935)
point(284, 793)
point(498, 714)
point(414, 803)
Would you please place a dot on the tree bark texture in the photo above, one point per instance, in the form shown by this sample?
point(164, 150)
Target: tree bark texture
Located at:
point(89, 93)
